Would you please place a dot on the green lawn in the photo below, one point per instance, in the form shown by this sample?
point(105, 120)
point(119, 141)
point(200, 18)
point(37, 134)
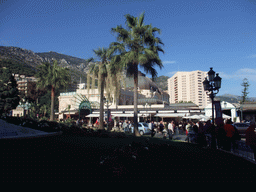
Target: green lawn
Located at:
point(78, 158)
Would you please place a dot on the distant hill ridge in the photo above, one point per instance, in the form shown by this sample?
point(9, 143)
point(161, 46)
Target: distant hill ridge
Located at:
point(78, 67)
point(28, 58)
point(33, 59)
point(234, 98)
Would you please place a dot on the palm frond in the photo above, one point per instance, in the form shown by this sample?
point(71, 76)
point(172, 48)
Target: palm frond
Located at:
point(122, 33)
point(130, 21)
point(141, 19)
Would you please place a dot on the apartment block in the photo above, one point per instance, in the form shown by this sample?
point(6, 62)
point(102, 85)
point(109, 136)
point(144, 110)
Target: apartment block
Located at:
point(188, 87)
point(23, 83)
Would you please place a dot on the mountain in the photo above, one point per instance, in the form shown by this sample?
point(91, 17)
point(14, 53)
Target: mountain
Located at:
point(229, 98)
point(29, 59)
point(64, 60)
point(19, 55)
point(161, 82)
point(234, 98)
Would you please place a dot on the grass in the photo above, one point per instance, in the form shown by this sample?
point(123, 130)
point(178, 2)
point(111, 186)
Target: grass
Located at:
point(68, 158)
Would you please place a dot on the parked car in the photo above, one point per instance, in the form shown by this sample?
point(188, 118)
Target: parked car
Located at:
point(241, 127)
point(143, 128)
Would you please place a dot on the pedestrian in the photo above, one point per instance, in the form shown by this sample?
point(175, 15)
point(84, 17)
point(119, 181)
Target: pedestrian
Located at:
point(129, 126)
point(77, 122)
point(230, 131)
point(220, 135)
point(195, 127)
point(188, 131)
point(97, 122)
point(151, 127)
point(250, 136)
point(187, 128)
point(195, 132)
point(120, 124)
point(125, 126)
point(161, 127)
point(170, 129)
point(208, 132)
point(201, 139)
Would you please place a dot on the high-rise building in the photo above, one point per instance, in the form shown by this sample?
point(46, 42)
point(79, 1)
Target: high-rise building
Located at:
point(188, 87)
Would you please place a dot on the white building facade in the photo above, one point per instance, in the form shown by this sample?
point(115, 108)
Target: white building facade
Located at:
point(149, 96)
point(188, 87)
point(228, 111)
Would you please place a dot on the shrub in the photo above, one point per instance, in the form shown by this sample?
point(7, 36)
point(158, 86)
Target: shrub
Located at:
point(48, 126)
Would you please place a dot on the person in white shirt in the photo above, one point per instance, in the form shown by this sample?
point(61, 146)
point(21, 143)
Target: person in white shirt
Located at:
point(171, 129)
point(151, 127)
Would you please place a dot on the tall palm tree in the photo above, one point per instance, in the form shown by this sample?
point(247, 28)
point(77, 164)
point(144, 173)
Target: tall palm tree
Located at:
point(136, 46)
point(100, 69)
point(52, 77)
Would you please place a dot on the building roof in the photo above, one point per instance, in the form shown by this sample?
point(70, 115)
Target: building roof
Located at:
point(143, 82)
point(250, 106)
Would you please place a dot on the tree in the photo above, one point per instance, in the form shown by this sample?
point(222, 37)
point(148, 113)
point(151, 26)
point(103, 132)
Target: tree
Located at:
point(52, 77)
point(9, 93)
point(136, 46)
point(43, 109)
point(100, 70)
point(245, 92)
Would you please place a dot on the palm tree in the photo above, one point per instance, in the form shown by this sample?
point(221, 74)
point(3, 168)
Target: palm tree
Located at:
point(136, 46)
point(52, 77)
point(43, 109)
point(100, 69)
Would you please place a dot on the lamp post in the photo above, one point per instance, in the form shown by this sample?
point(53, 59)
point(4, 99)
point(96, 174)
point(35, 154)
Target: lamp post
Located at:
point(212, 86)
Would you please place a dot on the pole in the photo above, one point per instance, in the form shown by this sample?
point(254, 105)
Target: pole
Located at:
point(212, 98)
point(213, 137)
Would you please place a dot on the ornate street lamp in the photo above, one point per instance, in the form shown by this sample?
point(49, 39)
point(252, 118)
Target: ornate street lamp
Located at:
point(212, 86)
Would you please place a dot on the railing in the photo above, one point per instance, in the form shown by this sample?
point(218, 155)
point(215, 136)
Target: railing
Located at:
point(240, 148)
point(243, 150)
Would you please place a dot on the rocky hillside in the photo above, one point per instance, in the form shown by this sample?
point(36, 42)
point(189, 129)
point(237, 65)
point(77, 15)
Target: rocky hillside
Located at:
point(19, 55)
point(28, 58)
point(64, 60)
point(78, 67)
point(161, 82)
point(234, 98)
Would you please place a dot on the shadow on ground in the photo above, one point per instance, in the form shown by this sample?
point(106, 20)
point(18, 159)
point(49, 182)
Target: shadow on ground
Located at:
point(90, 159)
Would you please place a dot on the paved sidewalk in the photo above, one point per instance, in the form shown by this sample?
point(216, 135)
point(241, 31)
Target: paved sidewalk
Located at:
point(8, 131)
point(243, 150)
point(179, 137)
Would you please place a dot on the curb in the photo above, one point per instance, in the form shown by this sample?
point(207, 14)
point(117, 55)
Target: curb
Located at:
point(32, 136)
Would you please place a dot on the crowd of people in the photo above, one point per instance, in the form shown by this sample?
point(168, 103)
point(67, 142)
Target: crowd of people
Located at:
point(222, 136)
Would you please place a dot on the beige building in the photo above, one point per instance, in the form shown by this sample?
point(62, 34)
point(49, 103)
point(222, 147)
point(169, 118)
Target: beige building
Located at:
point(24, 85)
point(188, 87)
point(149, 96)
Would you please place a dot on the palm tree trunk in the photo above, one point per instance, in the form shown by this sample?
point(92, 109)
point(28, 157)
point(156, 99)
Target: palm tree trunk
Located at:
point(136, 132)
point(52, 103)
point(101, 102)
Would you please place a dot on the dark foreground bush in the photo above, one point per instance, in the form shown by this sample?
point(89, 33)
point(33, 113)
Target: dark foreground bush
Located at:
point(49, 126)
point(66, 128)
point(13, 120)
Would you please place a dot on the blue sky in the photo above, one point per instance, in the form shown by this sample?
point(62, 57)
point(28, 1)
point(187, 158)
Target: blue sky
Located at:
point(198, 34)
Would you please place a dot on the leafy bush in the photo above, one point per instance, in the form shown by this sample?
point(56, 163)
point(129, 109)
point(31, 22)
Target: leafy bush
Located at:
point(48, 126)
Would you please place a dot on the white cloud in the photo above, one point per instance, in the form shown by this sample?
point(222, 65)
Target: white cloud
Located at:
point(172, 73)
point(248, 73)
point(252, 56)
point(168, 62)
